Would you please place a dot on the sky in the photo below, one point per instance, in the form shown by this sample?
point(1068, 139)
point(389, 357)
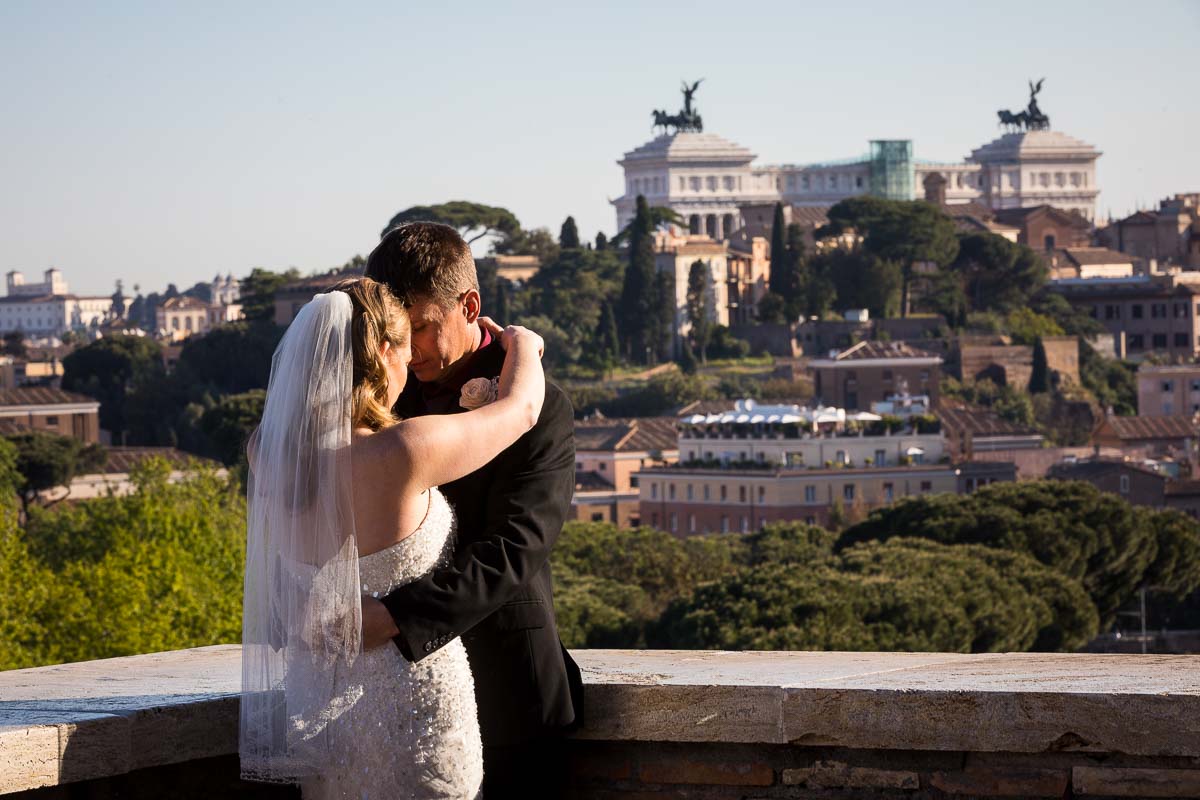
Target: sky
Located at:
point(168, 142)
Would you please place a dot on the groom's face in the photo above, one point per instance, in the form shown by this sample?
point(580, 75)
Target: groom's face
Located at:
point(441, 335)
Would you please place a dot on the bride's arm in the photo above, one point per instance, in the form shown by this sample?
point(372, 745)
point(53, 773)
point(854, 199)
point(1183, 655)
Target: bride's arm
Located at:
point(436, 449)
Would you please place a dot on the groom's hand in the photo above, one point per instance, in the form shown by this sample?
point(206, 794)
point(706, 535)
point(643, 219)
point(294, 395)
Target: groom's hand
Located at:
point(378, 625)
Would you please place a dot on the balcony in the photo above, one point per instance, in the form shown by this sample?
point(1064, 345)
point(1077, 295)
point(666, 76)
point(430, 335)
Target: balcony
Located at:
point(679, 724)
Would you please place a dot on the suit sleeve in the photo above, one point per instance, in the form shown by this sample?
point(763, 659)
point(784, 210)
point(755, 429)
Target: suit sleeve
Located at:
point(526, 507)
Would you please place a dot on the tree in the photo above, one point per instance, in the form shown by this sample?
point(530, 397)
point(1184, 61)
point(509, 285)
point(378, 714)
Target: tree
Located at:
point(797, 271)
point(14, 344)
point(538, 243)
point(111, 370)
point(637, 300)
point(1074, 528)
point(473, 221)
point(781, 279)
point(907, 233)
point(601, 242)
point(176, 548)
point(772, 309)
point(606, 348)
point(996, 274)
point(229, 423)
point(47, 461)
point(663, 320)
point(655, 216)
point(258, 294)
point(1039, 378)
point(568, 237)
point(699, 317)
point(1113, 383)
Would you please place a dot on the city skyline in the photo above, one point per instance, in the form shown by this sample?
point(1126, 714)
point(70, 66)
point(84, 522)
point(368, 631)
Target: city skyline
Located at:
point(166, 146)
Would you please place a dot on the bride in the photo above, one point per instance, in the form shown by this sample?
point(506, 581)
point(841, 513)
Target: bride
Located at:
point(342, 499)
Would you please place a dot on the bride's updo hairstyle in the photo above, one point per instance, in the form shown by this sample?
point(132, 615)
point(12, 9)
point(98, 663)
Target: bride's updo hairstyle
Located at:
point(377, 317)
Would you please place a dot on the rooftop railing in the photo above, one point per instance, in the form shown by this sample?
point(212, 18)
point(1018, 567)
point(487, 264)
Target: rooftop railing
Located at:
point(681, 723)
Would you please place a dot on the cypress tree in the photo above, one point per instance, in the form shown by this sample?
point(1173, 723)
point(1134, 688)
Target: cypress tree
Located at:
point(608, 343)
point(780, 282)
point(601, 242)
point(1039, 379)
point(664, 325)
point(797, 271)
point(638, 306)
point(568, 236)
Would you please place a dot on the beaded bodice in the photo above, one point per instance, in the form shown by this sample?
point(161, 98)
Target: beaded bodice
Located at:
point(413, 733)
point(413, 556)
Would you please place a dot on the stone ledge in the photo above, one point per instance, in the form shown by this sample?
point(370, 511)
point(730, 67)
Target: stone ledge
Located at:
point(95, 719)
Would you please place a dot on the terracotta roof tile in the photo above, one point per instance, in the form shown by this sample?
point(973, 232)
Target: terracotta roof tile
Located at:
point(40, 396)
point(636, 434)
point(963, 418)
point(1152, 427)
point(872, 349)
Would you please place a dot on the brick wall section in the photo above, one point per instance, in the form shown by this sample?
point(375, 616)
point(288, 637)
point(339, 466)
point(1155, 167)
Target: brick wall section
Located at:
point(625, 771)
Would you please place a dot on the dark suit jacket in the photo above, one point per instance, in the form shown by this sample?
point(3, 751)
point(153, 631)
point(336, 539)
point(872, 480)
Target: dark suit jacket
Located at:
point(497, 594)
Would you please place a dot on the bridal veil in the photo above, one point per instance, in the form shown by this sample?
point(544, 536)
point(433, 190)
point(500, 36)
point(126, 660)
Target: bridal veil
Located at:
point(302, 627)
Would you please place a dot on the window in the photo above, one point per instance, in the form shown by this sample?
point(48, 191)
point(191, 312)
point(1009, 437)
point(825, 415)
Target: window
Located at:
point(889, 492)
point(597, 516)
point(926, 486)
point(1112, 311)
point(745, 524)
point(1048, 241)
point(1168, 407)
point(840, 458)
point(1124, 484)
point(1195, 386)
point(633, 481)
point(689, 492)
point(1137, 311)
point(603, 466)
point(1137, 341)
point(691, 523)
point(762, 493)
point(1158, 310)
point(741, 494)
point(579, 466)
point(880, 458)
point(51, 420)
point(1180, 310)
point(1168, 386)
point(723, 493)
point(848, 491)
point(1181, 340)
point(810, 494)
point(654, 491)
point(706, 492)
point(810, 520)
point(674, 524)
point(671, 491)
point(724, 524)
point(654, 519)
point(1159, 341)
point(887, 374)
point(858, 182)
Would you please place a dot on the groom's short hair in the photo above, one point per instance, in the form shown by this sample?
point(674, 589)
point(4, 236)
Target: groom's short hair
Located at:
point(424, 259)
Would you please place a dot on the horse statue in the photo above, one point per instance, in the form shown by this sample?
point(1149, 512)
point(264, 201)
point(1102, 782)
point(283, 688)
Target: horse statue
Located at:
point(1032, 118)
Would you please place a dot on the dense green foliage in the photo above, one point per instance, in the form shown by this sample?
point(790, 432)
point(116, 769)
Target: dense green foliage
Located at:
point(156, 570)
point(472, 220)
point(1032, 566)
point(46, 461)
point(119, 371)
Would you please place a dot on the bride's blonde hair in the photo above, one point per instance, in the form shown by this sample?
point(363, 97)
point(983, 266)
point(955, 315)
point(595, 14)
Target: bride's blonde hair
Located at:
point(377, 317)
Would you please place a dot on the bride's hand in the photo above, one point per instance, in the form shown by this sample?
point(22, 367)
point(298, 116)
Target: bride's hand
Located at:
point(514, 334)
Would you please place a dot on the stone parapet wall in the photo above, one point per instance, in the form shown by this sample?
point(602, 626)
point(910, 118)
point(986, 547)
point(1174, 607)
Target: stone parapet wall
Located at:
point(682, 724)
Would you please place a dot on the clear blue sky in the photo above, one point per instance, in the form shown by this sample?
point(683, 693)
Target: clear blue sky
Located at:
point(160, 142)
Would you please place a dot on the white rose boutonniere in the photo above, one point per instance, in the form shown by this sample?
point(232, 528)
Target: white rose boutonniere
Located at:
point(478, 392)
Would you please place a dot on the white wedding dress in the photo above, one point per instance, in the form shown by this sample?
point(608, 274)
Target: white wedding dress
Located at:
point(414, 732)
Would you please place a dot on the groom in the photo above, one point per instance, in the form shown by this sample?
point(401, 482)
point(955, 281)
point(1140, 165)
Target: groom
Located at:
point(496, 595)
